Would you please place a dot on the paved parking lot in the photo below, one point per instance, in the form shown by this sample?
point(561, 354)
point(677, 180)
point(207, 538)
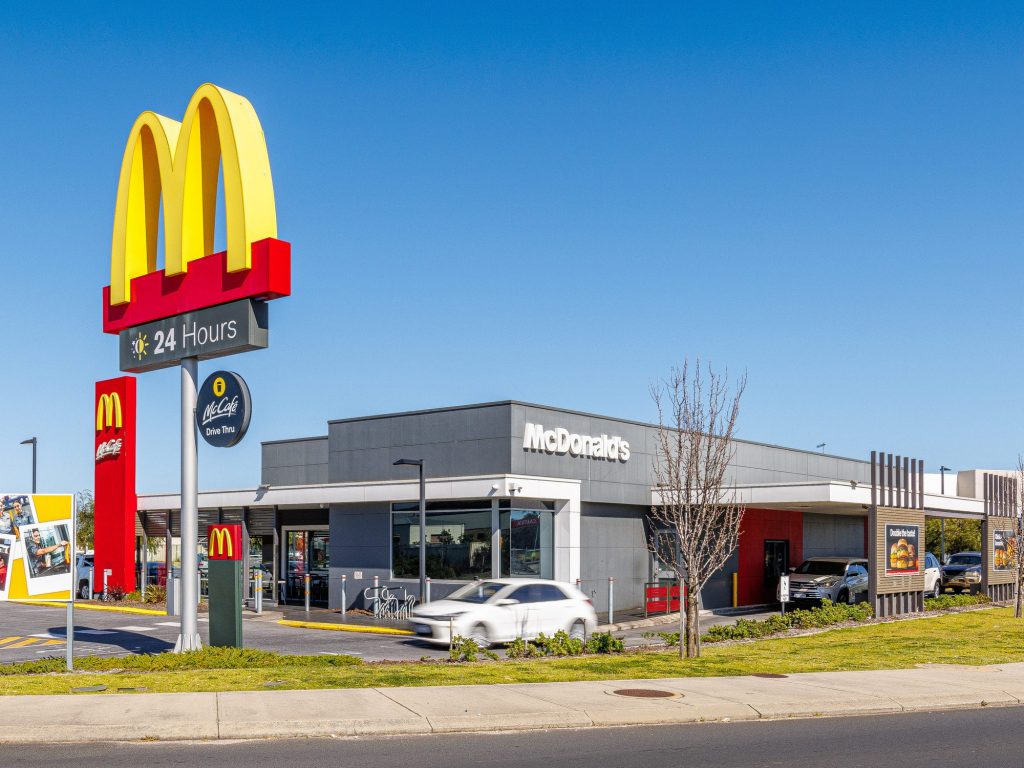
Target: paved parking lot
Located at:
point(30, 632)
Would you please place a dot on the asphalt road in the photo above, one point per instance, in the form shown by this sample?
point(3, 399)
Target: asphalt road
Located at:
point(982, 737)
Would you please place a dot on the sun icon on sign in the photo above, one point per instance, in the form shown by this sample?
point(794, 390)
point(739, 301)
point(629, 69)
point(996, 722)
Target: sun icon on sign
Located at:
point(140, 346)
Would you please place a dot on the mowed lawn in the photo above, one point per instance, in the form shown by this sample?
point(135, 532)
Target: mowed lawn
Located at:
point(977, 637)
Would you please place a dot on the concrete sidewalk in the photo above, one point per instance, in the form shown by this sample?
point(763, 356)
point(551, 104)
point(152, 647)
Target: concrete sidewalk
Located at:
point(397, 711)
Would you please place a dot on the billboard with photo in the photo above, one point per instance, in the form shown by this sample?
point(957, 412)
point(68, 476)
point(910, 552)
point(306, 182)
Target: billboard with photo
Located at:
point(1004, 550)
point(36, 546)
point(903, 549)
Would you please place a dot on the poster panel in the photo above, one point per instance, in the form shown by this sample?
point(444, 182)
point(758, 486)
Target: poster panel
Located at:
point(36, 535)
point(1004, 550)
point(903, 549)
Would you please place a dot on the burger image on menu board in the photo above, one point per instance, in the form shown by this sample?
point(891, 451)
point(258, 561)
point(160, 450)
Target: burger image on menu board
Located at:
point(902, 556)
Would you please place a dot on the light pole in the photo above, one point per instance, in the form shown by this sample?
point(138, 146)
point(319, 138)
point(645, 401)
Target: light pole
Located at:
point(942, 526)
point(34, 442)
point(423, 523)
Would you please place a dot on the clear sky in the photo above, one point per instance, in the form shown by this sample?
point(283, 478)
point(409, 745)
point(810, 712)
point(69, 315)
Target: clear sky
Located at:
point(548, 202)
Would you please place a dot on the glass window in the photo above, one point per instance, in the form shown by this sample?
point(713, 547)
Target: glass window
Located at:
point(965, 559)
point(458, 544)
point(526, 543)
point(477, 593)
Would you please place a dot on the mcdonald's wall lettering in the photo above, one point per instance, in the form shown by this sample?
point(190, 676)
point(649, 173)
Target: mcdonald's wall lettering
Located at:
point(115, 502)
point(224, 548)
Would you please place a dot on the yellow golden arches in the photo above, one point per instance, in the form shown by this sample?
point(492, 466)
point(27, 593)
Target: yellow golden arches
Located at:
point(181, 161)
point(108, 412)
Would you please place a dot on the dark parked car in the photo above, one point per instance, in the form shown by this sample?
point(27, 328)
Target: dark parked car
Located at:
point(962, 571)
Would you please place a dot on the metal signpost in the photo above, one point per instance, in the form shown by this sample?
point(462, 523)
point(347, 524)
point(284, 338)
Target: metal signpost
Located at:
point(202, 305)
point(784, 591)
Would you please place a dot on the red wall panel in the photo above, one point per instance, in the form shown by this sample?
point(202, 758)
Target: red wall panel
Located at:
point(757, 526)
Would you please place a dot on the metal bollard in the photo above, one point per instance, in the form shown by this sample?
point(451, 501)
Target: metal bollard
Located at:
point(344, 600)
point(106, 572)
point(427, 598)
point(259, 591)
point(92, 591)
point(611, 599)
point(305, 580)
point(376, 593)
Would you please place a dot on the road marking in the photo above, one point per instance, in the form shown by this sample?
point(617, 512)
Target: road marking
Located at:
point(30, 641)
point(168, 624)
point(131, 629)
point(95, 632)
point(42, 635)
point(8, 639)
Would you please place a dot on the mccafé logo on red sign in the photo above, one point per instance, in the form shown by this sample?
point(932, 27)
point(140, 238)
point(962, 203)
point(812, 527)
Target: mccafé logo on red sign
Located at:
point(174, 167)
point(109, 418)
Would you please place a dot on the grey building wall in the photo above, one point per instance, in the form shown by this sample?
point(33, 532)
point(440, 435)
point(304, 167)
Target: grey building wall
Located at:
point(833, 535)
point(453, 442)
point(488, 439)
point(294, 462)
point(613, 542)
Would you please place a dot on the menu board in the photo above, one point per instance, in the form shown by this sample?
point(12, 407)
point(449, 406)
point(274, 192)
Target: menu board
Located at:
point(903, 549)
point(1004, 550)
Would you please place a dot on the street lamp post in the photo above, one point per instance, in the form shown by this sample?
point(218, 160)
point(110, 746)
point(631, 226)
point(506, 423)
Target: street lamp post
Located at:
point(34, 442)
point(423, 523)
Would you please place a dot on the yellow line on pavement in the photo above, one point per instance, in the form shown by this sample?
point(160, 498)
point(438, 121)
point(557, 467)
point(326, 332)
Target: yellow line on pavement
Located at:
point(23, 643)
point(91, 607)
point(345, 627)
point(8, 639)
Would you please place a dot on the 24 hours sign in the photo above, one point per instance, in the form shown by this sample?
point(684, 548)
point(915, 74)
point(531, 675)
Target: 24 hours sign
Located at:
point(223, 409)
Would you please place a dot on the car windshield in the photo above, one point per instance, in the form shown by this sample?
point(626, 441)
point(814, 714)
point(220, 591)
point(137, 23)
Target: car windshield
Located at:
point(477, 593)
point(822, 568)
point(965, 560)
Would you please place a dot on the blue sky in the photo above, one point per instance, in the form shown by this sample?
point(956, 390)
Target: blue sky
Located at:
point(549, 202)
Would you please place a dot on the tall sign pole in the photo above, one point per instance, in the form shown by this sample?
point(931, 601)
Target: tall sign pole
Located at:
point(189, 639)
point(202, 305)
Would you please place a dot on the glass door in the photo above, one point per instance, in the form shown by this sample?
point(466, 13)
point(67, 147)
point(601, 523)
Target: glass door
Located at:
point(307, 551)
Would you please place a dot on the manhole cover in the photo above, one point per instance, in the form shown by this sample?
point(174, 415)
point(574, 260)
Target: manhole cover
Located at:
point(645, 693)
point(770, 675)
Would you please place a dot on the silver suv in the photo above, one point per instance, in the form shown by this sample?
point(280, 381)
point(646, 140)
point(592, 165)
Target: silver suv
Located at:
point(839, 579)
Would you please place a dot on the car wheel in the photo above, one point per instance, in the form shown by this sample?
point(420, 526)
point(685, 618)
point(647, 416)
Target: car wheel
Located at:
point(578, 631)
point(843, 596)
point(938, 589)
point(479, 635)
point(83, 591)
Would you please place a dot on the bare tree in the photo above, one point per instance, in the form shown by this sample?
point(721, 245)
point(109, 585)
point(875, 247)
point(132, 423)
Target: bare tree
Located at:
point(696, 423)
point(1018, 537)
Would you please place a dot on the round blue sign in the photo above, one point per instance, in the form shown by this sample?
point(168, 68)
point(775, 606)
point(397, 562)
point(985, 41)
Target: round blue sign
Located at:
point(223, 409)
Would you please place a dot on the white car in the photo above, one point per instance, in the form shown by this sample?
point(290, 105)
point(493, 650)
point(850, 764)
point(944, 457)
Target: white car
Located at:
point(83, 570)
point(932, 576)
point(500, 610)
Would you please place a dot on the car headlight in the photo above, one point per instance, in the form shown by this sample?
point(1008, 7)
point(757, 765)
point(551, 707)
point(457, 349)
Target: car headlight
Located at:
point(446, 616)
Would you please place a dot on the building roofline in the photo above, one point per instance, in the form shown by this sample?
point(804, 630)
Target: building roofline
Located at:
point(586, 414)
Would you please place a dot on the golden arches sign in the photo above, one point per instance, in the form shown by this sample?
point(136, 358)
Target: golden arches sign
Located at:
point(221, 544)
point(108, 412)
point(179, 162)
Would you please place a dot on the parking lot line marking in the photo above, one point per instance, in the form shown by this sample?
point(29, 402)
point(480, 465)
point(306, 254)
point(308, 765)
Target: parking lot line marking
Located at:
point(131, 629)
point(8, 639)
point(168, 623)
point(42, 636)
point(95, 632)
point(23, 643)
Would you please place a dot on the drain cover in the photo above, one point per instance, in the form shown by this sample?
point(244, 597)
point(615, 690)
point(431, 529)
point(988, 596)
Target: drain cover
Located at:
point(770, 675)
point(645, 693)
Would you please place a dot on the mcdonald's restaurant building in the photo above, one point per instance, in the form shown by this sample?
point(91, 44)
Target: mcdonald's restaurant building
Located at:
point(515, 489)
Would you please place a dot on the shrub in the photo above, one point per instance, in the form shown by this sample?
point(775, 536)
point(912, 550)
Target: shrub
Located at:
point(115, 593)
point(560, 644)
point(522, 649)
point(945, 602)
point(825, 615)
point(464, 649)
point(605, 642)
point(155, 594)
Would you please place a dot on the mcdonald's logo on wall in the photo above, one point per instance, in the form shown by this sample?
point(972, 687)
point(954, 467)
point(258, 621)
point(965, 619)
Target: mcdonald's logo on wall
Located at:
point(224, 542)
point(176, 166)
